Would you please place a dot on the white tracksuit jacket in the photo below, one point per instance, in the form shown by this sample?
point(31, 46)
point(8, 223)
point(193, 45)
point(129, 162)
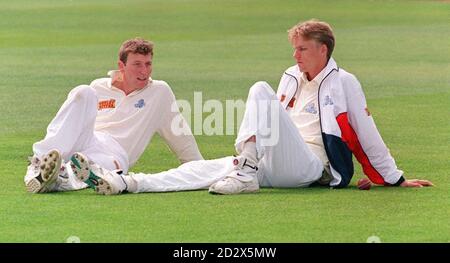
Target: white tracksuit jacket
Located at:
point(347, 126)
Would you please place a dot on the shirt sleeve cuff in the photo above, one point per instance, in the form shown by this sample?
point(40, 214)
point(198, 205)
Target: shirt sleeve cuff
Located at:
point(398, 183)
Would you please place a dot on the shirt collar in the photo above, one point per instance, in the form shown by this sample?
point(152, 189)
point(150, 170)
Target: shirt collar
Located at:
point(316, 79)
point(113, 72)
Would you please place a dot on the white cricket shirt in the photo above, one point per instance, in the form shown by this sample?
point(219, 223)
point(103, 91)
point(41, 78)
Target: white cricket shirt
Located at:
point(133, 119)
point(305, 116)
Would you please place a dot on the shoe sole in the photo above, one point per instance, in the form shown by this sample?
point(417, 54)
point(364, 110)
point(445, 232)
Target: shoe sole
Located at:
point(48, 172)
point(247, 190)
point(103, 188)
point(82, 170)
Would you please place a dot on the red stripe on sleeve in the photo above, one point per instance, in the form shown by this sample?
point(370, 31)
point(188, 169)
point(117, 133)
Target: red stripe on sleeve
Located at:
point(351, 139)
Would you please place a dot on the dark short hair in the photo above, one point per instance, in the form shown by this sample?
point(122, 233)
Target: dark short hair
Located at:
point(135, 46)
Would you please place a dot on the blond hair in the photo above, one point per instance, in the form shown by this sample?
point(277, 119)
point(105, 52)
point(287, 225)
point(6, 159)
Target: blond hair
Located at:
point(314, 29)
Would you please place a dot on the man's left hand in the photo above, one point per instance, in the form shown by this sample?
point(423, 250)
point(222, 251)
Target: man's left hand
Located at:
point(416, 183)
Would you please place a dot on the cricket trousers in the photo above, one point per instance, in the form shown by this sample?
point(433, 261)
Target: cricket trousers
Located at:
point(72, 130)
point(285, 161)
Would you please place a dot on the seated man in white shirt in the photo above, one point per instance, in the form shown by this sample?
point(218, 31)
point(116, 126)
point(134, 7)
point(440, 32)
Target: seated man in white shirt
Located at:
point(317, 120)
point(111, 122)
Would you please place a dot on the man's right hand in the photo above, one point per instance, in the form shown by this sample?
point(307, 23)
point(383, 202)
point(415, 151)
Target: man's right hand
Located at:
point(416, 183)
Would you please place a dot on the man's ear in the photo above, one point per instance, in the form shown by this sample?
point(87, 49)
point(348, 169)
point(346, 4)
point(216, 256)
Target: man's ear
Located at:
point(121, 65)
point(324, 49)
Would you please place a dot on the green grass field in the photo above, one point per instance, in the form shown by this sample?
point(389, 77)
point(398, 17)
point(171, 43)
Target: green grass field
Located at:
point(399, 50)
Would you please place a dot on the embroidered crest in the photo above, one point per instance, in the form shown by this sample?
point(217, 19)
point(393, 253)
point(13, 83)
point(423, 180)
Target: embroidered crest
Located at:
point(140, 104)
point(311, 108)
point(291, 103)
point(328, 101)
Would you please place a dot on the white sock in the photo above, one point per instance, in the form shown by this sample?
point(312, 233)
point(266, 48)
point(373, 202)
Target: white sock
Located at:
point(249, 152)
point(131, 183)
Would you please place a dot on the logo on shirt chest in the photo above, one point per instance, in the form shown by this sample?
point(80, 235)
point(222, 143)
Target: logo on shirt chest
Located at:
point(311, 108)
point(107, 104)
point(140, 104)
point(328, 101)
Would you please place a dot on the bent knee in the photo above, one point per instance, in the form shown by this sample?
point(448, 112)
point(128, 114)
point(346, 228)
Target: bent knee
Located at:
point(261, 89)
point(84, 92)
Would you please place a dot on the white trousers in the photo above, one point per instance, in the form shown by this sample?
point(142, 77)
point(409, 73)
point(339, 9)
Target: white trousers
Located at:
point(72, 130)
point(284, 158)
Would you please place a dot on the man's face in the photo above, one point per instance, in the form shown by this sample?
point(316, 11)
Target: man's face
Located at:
point(311, 56)
point(136, 71)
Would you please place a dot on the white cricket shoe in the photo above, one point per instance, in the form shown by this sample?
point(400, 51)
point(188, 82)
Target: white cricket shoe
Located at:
point(44, 172)
point(242, 180)
point(113, 183)
point(83, 170)
point(101, 180)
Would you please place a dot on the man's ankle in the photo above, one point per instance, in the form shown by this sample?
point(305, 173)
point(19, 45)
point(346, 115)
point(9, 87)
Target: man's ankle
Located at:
point(131, 183)
point(249, 152)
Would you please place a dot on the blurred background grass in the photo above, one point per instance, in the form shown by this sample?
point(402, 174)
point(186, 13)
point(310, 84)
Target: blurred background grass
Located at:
point(398, 50)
